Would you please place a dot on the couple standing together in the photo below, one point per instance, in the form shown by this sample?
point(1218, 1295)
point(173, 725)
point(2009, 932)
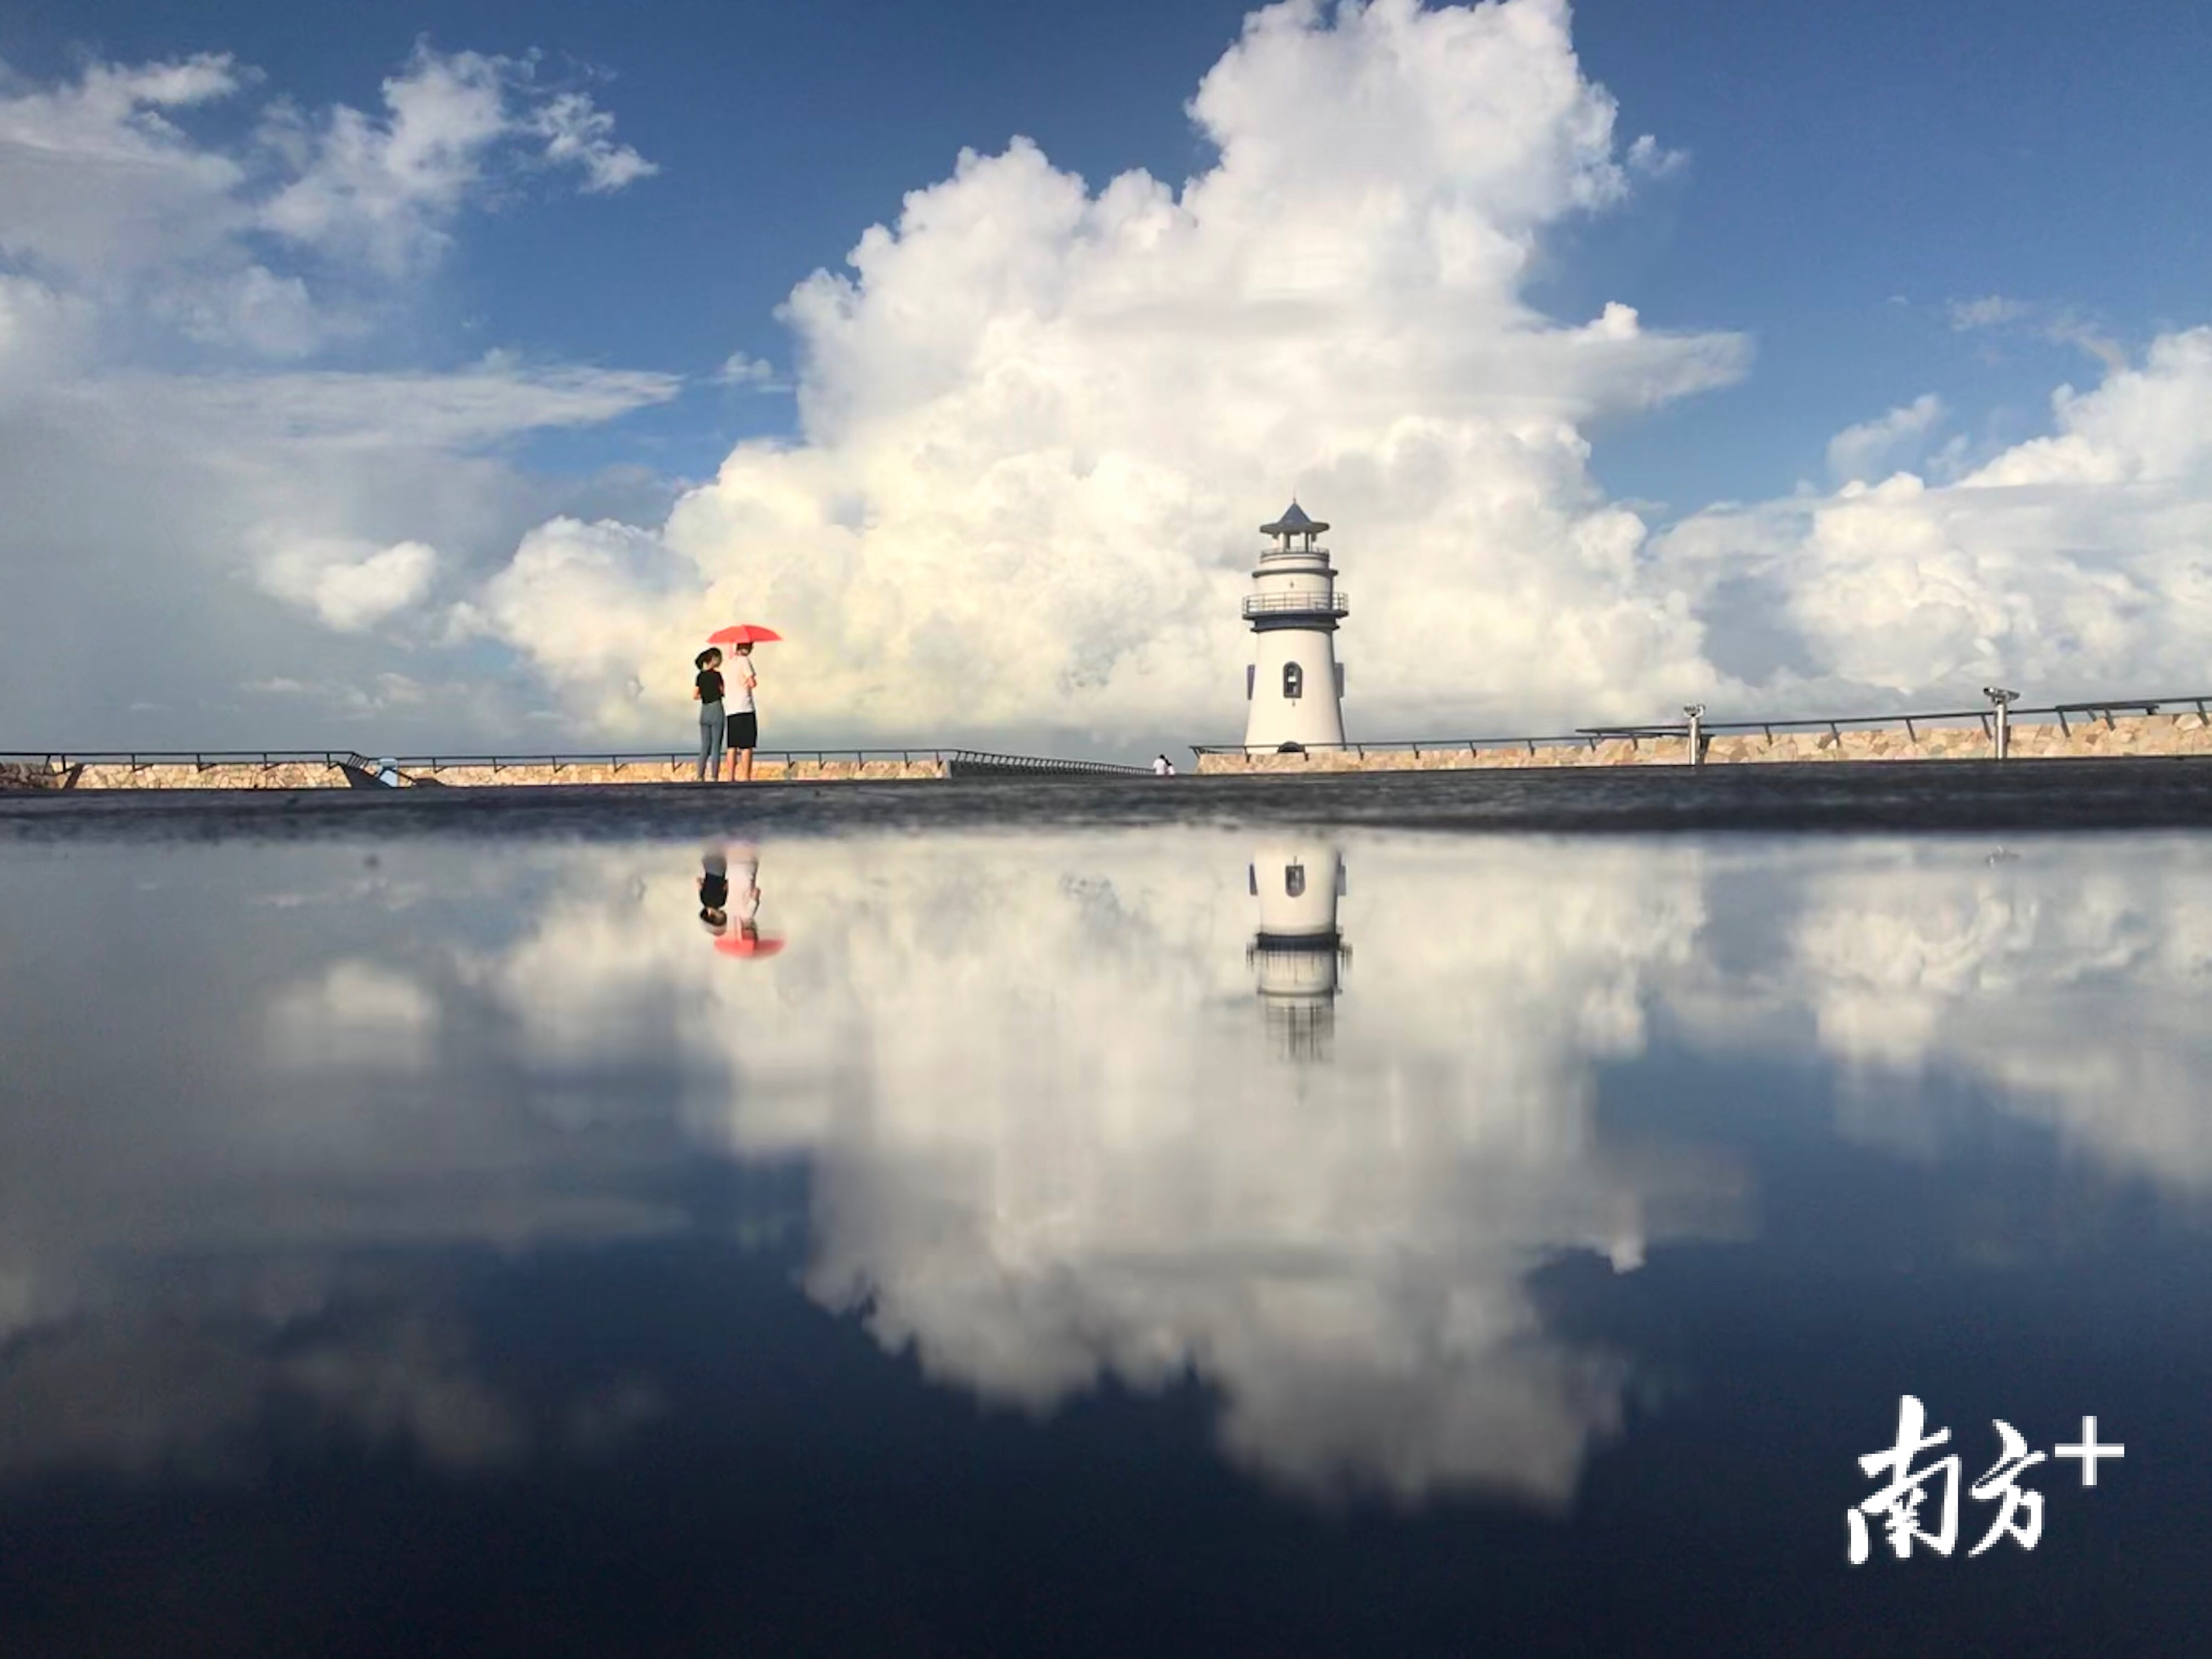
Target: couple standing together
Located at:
point(739, 727)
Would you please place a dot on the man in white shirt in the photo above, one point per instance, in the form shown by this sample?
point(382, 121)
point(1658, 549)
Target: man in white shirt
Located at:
point(745, 723)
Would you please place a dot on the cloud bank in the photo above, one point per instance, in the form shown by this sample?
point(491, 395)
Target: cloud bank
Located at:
point(204, 442)
point(1039, 423)
point(103, 187)
point(2077, 562)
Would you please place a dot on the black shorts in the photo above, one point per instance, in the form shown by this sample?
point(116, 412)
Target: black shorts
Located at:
point(744, 730)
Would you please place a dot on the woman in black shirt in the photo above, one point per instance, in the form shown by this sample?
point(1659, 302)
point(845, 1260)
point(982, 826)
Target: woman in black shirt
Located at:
point(715, 891)
point(708, 689)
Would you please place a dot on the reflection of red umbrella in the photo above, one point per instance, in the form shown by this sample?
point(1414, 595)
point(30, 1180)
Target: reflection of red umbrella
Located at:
point(743, 633)
point(739, 944)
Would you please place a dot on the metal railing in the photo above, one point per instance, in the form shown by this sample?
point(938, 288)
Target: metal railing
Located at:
point(983, 761)
point(1316, 604)
point(1590, 737)
point(978, 762)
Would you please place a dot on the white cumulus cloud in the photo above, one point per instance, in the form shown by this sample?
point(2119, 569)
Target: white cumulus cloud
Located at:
point(381, 186)
point(1040, 421)
point(349, 587)
point(1990, 310)
point(168, 232)
point(103, 188)
point(751, 373)
point(97, 177)
point(2080, 562)
point(1862, 451)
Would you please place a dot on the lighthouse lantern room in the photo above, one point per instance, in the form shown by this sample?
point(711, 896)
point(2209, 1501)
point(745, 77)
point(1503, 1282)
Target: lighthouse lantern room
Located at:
point(1295, 684)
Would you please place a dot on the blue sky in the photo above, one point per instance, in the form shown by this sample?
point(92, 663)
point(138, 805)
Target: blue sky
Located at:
point(1853, 168)
point(1857, 185)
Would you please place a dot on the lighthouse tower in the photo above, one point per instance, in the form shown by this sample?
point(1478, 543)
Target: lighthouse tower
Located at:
point(1295, 685)
point(1297, 952)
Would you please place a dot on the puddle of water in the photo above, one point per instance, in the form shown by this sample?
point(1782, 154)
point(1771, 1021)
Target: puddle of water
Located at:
point(1093, 1241)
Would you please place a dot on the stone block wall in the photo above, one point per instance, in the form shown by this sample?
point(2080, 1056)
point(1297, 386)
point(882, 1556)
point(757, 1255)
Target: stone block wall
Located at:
point(184, 774)
point(294, 774)
point(2082, 738)
point(765, 771)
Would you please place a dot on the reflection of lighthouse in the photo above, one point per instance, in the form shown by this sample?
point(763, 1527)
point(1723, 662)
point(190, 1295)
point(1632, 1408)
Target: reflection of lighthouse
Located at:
point(1297, 952)
point(1294, 683)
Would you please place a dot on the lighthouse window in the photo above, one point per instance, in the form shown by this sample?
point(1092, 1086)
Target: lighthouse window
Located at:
point(1294, 681)
point(1294, 879)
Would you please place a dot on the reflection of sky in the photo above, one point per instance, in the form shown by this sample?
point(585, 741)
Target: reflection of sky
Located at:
point(1051, 1140)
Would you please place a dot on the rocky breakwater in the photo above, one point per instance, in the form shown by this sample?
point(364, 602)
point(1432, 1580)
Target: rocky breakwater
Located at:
point(171, 774)
point(2079, 737)
point(319, 774)
point(474, 775)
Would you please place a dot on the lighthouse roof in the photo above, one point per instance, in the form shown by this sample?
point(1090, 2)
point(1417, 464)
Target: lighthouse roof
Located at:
point(1294, 522)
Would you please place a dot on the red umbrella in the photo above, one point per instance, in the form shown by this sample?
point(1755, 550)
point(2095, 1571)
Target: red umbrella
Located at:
point(743, 633)
point(737, 945)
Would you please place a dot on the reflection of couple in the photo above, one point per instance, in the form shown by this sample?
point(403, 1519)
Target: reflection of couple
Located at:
point(716, 907)
point(715, 892)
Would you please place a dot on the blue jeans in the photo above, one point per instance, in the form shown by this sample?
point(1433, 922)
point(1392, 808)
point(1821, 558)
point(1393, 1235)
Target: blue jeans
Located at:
point(712, 725)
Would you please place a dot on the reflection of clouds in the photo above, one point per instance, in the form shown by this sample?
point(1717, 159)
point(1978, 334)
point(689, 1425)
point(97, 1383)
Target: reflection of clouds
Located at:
point(355, 1014)
point(137, 1363)
point(18, 1303)
point(2069, 983)
point(1048, 1143)
point(189, 1366)
point(200, 1148)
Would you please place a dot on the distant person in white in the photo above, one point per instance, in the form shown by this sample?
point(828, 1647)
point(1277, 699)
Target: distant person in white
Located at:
point(1163, 767)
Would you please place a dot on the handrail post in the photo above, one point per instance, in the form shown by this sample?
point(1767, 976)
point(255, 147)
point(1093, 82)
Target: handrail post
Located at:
point(1696, 711)
point(2002, 701)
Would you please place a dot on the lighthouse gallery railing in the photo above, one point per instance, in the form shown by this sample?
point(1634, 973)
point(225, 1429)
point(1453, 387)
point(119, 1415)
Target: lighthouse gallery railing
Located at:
point(1313, 605)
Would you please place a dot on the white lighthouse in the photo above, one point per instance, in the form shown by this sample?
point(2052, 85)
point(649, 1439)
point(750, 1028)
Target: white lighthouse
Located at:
point(1297, 952)
point(1295, 685)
